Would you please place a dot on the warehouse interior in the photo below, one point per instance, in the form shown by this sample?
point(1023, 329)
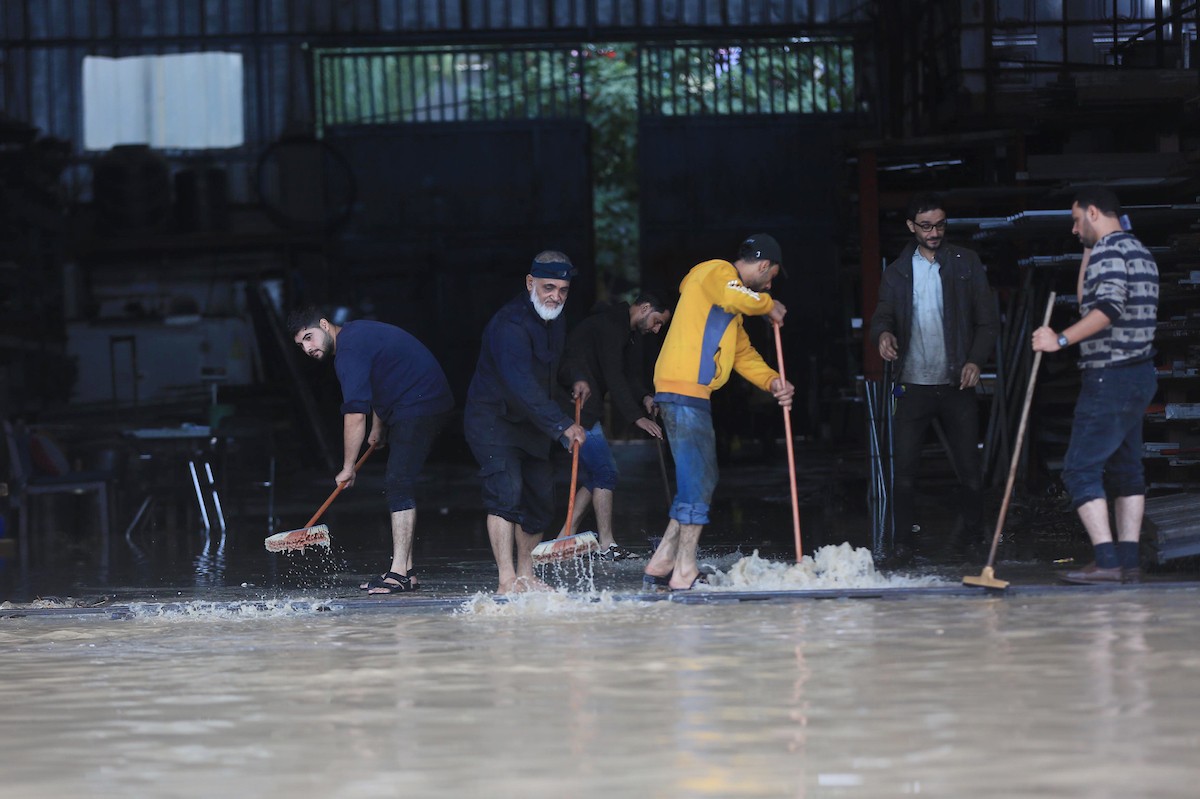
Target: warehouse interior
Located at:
point(177, 175)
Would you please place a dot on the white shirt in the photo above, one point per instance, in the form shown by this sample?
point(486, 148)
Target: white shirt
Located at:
point(926, 363)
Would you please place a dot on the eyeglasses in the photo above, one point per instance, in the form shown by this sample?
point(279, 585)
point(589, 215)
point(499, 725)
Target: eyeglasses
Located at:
point(928, 226)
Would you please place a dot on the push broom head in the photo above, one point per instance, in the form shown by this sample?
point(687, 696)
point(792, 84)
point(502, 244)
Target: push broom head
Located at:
point(301, 539)
point(986, 579)
point(572, 546)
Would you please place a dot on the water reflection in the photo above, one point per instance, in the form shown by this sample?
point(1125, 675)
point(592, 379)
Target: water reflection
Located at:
point(1075, 695)
point(210, 563)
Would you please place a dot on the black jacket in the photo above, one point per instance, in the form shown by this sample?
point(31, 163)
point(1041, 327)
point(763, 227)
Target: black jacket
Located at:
point(609, 354)
point(514, 399)
point(969, 319)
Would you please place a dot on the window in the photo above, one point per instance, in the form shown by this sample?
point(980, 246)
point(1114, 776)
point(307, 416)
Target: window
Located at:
point(189, 101)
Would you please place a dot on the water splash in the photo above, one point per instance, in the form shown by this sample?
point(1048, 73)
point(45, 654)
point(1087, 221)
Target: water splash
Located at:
point(226, 611)
point(314, 568)
point(833, 566)
point(578, 572)
point(559, 602)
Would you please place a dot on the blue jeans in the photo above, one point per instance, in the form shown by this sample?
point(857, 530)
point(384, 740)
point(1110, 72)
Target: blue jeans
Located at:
point(596, 458)
point(1106, 438)
point(694, 447)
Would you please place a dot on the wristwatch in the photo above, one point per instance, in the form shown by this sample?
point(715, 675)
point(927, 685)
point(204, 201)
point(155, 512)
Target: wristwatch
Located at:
point(1062, 340)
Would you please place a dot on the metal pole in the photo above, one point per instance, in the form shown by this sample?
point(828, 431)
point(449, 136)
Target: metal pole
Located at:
point(199, 495)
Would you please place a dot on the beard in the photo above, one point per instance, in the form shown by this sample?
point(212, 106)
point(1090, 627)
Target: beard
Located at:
point(544, 311)
point(323, 348)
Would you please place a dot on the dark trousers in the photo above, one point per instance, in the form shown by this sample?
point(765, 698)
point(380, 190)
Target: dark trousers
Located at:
point(958, 412)
point(409, 441)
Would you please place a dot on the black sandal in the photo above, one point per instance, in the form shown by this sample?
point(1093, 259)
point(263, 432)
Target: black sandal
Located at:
point(380, 585)
point(652, 582)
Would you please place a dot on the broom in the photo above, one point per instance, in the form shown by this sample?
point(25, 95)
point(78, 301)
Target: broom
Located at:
point(987, 577)
point(308, 535)
point(569, 546)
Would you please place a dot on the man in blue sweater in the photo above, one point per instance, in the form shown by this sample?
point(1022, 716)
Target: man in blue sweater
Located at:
point(512, 417)
point(387, 373)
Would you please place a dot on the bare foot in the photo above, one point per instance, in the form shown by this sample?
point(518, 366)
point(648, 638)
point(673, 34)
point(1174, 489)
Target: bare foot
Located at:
point(678, 583)
point(659, 567)
point(522, 585)
point(532, 583)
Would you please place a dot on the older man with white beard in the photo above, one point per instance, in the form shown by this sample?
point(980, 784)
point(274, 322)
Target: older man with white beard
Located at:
point(512, 419)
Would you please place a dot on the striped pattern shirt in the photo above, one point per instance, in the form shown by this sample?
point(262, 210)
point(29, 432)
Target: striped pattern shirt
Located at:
point(1121, 281)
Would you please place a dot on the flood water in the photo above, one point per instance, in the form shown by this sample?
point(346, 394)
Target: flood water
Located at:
point(1075, 694)
point(198, 665)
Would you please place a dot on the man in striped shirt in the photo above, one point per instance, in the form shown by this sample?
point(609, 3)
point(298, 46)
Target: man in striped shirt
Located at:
point(1118, 303)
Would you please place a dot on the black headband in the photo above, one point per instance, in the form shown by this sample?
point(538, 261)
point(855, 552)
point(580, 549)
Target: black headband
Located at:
point(553, 270)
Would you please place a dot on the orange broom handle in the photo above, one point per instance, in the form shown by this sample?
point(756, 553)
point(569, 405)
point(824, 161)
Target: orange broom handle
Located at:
point(321, 510)
point(574, 466)
point(787, 432)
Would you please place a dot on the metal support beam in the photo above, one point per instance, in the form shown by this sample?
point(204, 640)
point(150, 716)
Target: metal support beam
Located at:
point(871, 255)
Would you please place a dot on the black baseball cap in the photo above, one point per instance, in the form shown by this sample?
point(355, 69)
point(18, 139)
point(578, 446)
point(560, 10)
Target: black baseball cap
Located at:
point(762, 246)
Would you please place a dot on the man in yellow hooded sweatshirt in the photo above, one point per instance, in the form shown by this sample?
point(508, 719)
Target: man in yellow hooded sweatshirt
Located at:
point(705, 344)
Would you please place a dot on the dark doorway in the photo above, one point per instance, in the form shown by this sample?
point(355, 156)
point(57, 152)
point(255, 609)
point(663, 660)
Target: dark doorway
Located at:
point(449, 217)
point(707, 183)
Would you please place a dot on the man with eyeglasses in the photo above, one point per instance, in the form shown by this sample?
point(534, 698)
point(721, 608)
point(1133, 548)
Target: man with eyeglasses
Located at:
point(936, 322)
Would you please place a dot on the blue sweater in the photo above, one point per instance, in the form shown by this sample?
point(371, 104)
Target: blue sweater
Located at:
point(385, 369)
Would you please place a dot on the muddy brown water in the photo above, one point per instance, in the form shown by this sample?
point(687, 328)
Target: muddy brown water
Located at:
point(1075, 694)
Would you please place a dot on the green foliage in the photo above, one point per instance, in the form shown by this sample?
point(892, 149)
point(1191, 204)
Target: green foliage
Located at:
point(783, 77)
point(610, 73)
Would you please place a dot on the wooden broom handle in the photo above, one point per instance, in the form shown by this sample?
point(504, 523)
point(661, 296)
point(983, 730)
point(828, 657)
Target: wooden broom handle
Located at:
point(1016, 456)
point(321, 510)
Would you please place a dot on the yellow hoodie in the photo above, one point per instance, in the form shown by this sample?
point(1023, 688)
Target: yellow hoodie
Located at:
point(706, 340)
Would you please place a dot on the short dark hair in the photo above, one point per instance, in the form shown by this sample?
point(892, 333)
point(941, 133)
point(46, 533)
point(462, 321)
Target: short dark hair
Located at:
point(552, 257)
point(923, 202)
point(1102, 199)
point(304, 318)
point(648, 298)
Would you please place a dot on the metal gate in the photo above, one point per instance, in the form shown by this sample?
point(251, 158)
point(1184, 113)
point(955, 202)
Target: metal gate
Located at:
point(467, 163)
point(735, 140)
